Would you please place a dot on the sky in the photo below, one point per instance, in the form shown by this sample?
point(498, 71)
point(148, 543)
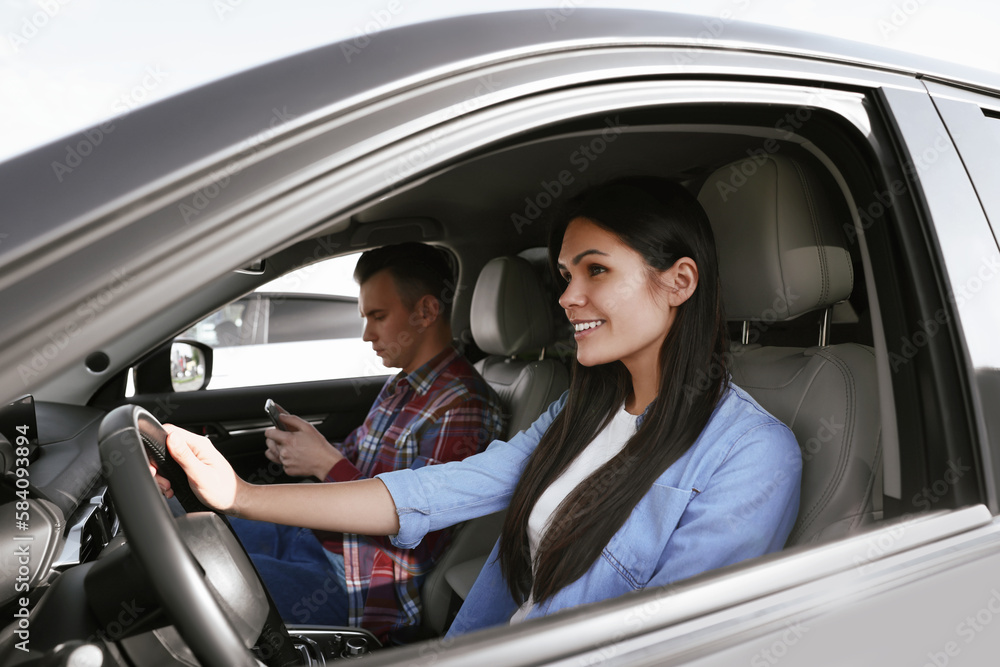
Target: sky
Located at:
point(68, 64)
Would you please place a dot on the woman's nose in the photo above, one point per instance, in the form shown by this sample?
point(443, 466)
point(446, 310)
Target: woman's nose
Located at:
point(572, 297)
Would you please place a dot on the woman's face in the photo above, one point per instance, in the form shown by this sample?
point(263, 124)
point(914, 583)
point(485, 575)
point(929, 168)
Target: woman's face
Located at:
point(619, 309)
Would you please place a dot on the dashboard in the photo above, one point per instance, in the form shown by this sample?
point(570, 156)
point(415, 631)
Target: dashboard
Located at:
point(67, 572)
point(54, 506)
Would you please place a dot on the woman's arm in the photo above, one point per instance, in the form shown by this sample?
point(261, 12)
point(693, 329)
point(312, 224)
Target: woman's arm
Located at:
point(427, 499)
point(364, 507)
point(438, 496)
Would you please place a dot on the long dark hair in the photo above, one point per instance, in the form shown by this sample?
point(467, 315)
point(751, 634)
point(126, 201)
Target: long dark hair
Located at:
point(662, 222)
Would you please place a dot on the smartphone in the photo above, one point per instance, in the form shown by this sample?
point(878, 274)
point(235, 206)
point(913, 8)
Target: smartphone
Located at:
point(273, 410)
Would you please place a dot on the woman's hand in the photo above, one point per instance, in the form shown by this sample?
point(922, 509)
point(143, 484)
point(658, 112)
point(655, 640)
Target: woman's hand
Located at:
point(211, 477)
point(302, 450)
point(363, 506)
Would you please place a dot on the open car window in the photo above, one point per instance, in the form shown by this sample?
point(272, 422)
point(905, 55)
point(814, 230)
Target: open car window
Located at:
point(301, 327)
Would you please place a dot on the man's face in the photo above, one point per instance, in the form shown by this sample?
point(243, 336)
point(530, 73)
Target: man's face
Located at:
point(389, 326)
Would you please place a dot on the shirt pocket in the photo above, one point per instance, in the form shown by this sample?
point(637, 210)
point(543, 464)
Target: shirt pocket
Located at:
point(635, 550)
point(397, 448)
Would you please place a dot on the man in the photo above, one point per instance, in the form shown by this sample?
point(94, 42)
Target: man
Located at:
point(437, 409)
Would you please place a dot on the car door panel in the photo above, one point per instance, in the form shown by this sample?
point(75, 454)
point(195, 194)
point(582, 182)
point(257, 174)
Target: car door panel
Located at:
point(235, 420)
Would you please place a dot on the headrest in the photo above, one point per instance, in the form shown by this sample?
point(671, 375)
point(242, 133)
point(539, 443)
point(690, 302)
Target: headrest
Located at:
point(778, 230)
point(510, 313)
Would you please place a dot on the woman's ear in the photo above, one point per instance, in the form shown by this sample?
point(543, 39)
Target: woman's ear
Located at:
point(680, 281)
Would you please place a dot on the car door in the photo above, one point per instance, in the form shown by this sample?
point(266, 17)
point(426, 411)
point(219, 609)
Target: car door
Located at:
point(972, 120)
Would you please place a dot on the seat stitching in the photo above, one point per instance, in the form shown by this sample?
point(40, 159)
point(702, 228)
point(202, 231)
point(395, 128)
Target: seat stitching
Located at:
point(777, 234)
point(844, 458)
point(869, 491)
point(795, 376)
point(807, 520)
point(779, 386)
point(817, 233)
point(854, 518)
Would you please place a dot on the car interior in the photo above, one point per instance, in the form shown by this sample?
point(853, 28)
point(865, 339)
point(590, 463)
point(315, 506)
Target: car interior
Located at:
point(799, 294)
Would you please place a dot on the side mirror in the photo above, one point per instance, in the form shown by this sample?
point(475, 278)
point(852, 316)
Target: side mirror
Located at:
point(190, 365)
point(176, 366)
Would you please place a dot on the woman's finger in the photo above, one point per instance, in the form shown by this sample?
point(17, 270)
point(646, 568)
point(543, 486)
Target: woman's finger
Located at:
point(181, 449)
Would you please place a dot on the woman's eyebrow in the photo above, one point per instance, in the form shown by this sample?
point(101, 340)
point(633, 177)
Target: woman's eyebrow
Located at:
point(576, 260)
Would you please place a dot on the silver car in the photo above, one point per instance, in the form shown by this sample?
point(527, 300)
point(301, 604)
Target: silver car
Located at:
point(853, 195)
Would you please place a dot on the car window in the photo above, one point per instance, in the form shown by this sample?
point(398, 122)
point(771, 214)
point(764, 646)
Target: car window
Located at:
point(300, 318)
point(301, 327)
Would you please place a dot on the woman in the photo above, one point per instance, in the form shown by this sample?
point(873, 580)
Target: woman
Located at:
point(653, 467)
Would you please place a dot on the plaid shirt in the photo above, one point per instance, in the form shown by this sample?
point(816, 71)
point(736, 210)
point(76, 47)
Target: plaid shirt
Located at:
point(443, 411)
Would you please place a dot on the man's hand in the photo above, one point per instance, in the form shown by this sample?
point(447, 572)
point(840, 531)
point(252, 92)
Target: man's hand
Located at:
point(302, 450)
point(211, 477)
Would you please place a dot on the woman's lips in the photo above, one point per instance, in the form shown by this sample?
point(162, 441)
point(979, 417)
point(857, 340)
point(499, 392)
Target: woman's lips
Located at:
point(584, 328)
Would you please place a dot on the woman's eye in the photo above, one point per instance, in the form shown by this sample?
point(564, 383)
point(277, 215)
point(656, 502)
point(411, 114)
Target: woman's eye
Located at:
point(566, 277)
point(595, 269)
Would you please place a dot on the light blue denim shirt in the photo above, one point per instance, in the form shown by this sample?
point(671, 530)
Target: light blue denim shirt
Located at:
point(733, 495)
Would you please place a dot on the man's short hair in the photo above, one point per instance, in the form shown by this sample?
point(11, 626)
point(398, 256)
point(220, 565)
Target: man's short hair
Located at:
point(416, 268)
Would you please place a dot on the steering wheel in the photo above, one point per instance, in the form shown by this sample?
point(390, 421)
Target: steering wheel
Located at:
point(154, 437)
point(126, 434)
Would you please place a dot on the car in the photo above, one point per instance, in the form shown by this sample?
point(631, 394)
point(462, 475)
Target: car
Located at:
point(852, 195)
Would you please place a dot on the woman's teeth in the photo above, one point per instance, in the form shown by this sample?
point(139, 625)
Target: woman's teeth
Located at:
point(583, 326)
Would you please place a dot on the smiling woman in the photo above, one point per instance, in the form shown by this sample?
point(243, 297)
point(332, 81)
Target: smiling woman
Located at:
point(643, 294)
point(852, 198)
point(629, 480)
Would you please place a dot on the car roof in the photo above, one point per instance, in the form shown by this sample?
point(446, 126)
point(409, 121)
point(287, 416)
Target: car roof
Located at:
point(50, 213)
point(194, 125)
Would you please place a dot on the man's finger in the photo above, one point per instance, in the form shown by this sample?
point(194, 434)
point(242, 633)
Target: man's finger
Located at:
point(294, 422)
point(279, 436)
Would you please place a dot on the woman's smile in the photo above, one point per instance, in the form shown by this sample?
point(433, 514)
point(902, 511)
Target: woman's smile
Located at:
point(584, 328)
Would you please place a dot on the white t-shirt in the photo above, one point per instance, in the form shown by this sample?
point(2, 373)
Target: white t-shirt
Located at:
point(601, 449)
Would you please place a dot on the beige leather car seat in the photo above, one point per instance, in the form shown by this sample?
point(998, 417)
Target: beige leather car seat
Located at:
point(782, 254)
